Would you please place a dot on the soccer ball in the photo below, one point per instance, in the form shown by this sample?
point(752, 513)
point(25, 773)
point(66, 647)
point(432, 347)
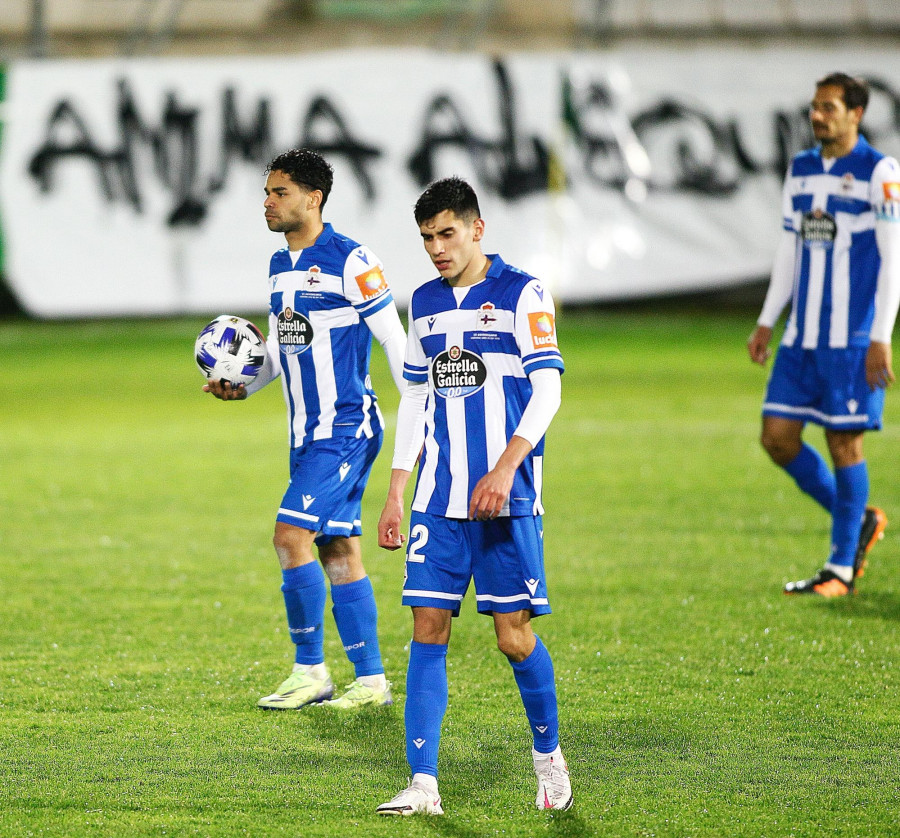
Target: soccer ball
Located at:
point(231, 349)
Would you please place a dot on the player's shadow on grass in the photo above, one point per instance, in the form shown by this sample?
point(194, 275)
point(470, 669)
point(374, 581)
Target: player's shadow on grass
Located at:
point(867, 605)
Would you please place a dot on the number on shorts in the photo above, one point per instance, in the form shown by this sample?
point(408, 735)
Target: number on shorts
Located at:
point(418, 539)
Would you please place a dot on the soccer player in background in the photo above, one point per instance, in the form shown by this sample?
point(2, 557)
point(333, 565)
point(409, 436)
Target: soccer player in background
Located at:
point(483, 371)
point(328, 298)
point(839, 264)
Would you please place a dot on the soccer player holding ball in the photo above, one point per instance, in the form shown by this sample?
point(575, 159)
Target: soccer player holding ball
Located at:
point(328, 298)
point(483, 371)
point(839, 264)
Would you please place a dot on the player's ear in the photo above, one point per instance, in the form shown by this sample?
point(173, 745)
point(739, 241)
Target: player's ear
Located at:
point(478, 229)
point(314, 198)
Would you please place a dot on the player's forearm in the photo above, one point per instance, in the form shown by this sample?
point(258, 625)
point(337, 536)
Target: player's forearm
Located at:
point(410, 427)
point(397, 486)
point(887, 294)
point(387, 329)
point(781, 283)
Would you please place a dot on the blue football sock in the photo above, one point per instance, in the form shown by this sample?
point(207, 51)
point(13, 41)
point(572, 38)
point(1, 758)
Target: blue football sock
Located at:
point(813, 476)
point(537, 686)
point(304, 599)
point(356, 616)
point(426, 703)
point(849, 508)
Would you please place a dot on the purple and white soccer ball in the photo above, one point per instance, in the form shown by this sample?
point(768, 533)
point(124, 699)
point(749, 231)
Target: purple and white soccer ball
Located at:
point(230, 348)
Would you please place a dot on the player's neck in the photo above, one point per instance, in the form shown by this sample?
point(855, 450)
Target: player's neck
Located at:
point(474, 272)
point(839, 147)
point(304, 236)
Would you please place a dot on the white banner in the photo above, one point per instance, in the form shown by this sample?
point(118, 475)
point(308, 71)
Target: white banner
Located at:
point(136, 187)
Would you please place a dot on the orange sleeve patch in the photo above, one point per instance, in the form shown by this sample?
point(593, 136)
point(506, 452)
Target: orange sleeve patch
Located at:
point(891, 191)
point(543, 329)
point(371, 283)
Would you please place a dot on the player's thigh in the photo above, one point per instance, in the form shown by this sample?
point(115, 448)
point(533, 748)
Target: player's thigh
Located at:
point(328, 478)
point(849, 404)
point(508, 565)
point(438, 562)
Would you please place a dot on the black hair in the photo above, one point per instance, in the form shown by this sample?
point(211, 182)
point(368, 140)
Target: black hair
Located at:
point(856, 90)
point(306, 168)
point(451, 193)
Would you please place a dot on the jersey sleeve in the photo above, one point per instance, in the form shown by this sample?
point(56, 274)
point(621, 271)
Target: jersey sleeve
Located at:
point(787, 203)
point(364, 283)
point(535, 324)
point(415, 363)
point(885, 190)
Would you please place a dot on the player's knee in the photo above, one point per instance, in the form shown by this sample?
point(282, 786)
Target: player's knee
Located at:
point(513, 646)
point(780, 448)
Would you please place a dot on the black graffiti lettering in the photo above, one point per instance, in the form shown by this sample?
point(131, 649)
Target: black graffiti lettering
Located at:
point(65, 120)
point(322, 118)
point(251, 143)
point(499, 162)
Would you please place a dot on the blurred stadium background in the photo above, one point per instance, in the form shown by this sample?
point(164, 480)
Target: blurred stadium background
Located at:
point(727, 78)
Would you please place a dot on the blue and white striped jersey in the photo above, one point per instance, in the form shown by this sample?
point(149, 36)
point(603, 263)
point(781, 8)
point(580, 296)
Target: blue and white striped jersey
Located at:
point(833, 209)
point(475, 347)
point(317, 331)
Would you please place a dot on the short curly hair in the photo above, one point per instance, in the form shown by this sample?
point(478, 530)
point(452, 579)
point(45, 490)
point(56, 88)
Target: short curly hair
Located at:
point(451, 193)
point(856, 90)
point(306, 168)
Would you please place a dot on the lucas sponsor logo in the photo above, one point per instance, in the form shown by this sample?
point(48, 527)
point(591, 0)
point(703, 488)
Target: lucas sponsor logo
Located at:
point(543, 329)
point(371, 283)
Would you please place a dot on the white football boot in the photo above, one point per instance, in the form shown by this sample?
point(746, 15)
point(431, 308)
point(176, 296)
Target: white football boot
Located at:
point(554, 788)
point(416, 799)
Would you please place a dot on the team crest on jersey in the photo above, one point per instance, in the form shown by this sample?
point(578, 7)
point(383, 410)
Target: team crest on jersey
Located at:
point(313, 278)
point(371, 283)
point(818, 229)
point(295, 332)
point(847, 183)
point(486, 317)
point(457, 372)
point(543, 329)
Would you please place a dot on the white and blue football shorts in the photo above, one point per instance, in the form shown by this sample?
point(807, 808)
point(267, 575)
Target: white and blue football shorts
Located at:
point(824, 386)
point(328, 477)
point(504, 556)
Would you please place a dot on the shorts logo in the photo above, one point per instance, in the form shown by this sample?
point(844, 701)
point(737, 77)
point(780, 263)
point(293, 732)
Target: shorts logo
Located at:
point(852, 405)
point(295, 332)
point(543, 329)
point(532, 585)
point(307, 501)
point(371, 283)
point(343, 469)
point(457, 372)
point(818, 229)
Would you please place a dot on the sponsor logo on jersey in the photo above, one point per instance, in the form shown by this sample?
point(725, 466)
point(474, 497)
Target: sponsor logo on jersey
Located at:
point(543, 329)
point(486, 316)
point(818, 229)
point(371, 283)
point(295, 332)
point(457, 372)
point(890, 209)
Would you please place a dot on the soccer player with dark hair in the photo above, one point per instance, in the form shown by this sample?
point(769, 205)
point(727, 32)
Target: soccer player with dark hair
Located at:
point(328, 297)
point(483, 371)
point(838, 264)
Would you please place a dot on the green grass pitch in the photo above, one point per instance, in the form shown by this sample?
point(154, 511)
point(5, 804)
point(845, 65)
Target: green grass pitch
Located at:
point(142, 618)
